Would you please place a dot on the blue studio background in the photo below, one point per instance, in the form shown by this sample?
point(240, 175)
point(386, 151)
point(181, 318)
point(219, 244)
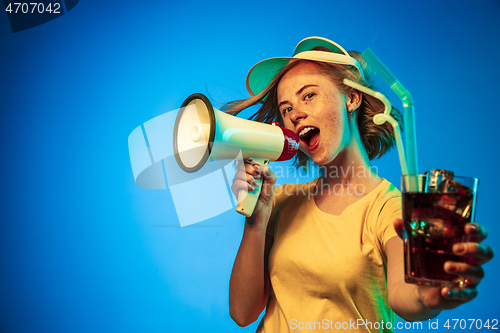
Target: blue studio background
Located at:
point(84, 249)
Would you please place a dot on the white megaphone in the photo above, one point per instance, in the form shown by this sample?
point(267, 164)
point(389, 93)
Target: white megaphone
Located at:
point(202, 132)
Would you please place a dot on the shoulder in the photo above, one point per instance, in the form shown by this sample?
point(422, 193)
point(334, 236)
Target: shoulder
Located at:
point(386, 196)
point(387, 208)
point(387, 190)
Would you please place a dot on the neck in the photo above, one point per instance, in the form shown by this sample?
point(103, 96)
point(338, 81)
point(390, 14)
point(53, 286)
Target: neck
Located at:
point(352, 165)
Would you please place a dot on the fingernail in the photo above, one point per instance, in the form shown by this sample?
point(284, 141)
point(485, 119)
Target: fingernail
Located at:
point(256, 176)
point(473, 228)
point(459, 248)
point(449, 267)
point(450, 294)
point(253, 183)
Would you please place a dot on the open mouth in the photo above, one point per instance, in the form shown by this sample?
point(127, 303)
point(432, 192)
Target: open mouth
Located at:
point(309, 136)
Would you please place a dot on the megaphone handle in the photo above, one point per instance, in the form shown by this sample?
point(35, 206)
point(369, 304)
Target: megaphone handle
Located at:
point(248, 200)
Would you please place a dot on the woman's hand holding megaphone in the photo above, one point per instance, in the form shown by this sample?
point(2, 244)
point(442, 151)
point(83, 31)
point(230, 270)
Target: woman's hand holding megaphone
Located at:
point(247, 178)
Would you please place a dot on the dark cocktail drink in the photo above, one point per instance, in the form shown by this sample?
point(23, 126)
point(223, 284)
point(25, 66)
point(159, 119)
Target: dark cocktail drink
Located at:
point(434, 220)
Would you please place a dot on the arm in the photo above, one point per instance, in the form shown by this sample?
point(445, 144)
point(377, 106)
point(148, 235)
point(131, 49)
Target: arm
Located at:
point(412, 302)
point(404, 298)
point(250, 286)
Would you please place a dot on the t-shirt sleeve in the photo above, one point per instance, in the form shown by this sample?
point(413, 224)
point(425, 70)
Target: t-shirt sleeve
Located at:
point(391, 211)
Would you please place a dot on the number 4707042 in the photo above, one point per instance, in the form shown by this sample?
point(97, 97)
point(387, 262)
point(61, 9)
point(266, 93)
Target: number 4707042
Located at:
point(33, 8)
point(471, 324)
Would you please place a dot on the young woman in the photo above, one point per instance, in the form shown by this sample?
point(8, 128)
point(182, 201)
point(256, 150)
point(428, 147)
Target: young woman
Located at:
point(327, 253)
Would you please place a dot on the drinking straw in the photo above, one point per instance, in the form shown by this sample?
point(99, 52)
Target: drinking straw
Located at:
point(405, 96)
point(381, 118)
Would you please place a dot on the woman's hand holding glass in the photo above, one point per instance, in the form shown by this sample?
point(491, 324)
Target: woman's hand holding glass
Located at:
point(475, 255)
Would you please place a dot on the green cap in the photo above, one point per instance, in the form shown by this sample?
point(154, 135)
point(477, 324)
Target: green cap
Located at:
point(263, 73)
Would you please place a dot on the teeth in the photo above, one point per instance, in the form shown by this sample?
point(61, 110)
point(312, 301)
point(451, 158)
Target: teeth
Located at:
point(305, 131)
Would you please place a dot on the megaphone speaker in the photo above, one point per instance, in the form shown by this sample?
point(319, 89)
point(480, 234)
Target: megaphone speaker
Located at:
point(202, 132)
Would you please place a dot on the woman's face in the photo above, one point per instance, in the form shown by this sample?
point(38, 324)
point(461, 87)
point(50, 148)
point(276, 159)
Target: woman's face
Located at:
point(313, 107)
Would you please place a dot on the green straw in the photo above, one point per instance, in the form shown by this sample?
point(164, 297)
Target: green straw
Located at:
point(409, 117)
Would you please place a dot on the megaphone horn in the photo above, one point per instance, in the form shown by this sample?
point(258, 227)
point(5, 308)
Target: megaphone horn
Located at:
point(202, 132)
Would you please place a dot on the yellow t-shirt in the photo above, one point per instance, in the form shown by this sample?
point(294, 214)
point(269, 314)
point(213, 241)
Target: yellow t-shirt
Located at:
point(328, 272)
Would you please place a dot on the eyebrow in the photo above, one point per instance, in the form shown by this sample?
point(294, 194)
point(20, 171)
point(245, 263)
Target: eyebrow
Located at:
point(299, 92)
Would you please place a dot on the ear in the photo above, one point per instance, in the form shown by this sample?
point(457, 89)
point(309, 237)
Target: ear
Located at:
point(353, 100)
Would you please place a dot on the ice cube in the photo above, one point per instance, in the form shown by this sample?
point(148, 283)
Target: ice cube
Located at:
point(435, 180)
point(442, 181)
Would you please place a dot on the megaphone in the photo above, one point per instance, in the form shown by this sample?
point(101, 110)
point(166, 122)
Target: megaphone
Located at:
point(202, 132)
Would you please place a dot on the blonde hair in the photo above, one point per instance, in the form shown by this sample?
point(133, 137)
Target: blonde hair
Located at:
point(377, 139)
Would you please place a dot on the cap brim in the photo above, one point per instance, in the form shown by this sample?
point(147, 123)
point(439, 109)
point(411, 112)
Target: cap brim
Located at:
point(263, 73)
point(309, 43)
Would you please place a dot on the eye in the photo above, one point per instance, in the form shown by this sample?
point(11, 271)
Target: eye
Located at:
point(308, 96)
point(286, 110)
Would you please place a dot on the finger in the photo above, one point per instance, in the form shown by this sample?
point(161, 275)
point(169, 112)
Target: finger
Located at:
point(474, 274)
point(256, 171)
point(460, 295)
point(251, 168)
point(249, 174)
point(476, 232)
point(480, 253)
point(245, 176)
point(240, 174)
point(239, 185)
point(266, 172)
point(398, 225)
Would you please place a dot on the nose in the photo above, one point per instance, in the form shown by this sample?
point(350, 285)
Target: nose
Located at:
point(296, 115)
